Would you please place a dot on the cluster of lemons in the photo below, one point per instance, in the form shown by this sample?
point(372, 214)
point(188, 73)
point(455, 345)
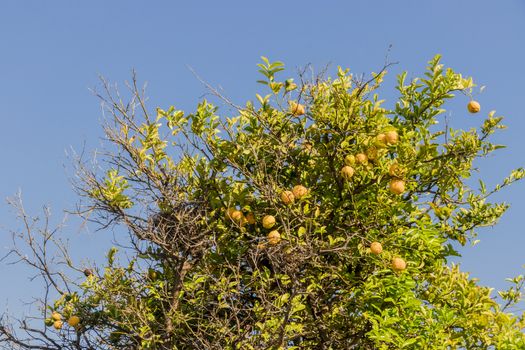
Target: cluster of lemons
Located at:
point(56, 321)
point(396, 185)
point(268, 221)
point(397, 263)
point(388, 138)
point(239, 218)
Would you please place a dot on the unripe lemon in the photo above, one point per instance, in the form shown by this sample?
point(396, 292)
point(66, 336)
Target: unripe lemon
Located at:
point(391, 137)
point(350, 159)
point(274, 237)
point(398, 264)
point(287, 197)
point(250, 218)
point(57, 324)
point(56, 316)
point(347, 172)
point(299, 191)
point(296, 109)
point(268, 221)
point(376, 248)
point(361, 158)
point(73, 321)
point(152, 274)
point(473, 107)
point(397, 186)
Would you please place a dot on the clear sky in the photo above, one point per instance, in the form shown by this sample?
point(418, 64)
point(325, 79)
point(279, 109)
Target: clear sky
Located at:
point(51, 52)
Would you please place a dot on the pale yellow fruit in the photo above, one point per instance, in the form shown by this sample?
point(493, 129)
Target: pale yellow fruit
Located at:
point(296, 109)
point(287, 197)
point(299, 191)
point(347, 172)
point(58, 324)
point(361, 158)
point(243, 221)
point(473, 107)
point(268, 221)
point(350, 159)
point(250, 218)
point(228, 213)
point(236, 216)
point(56, 316)
point(376, 248)
point(274, 237)
point(391, 137)
point(397, 186)
point(73, 321)
point(398, 264)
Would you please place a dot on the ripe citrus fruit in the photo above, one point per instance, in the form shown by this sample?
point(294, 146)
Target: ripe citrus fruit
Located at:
point(376, 248)
point(73, 321)
point(274, 237)
point(361, 158)
point(228, 213)
point(57, 324)
point(268, 221)
point(299, 191)
point(243, 221)
point(296, 109)
point(287, 197)
point(473, 107)
point(398, 264)
point(347, 172)
point(397, 186)
point(56, 316)
point(250, 218)
point(391, 137)
point(236, 216)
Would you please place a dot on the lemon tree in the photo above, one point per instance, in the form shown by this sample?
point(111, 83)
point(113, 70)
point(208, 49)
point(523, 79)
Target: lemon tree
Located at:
point(312, 217)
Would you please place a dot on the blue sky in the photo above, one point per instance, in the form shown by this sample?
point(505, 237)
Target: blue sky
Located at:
point(51, 52)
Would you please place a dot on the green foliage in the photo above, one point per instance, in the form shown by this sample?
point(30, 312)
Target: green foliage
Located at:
point(112, 191)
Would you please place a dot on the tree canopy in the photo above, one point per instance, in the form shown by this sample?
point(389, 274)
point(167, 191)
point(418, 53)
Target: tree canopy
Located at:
point(310, 218)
